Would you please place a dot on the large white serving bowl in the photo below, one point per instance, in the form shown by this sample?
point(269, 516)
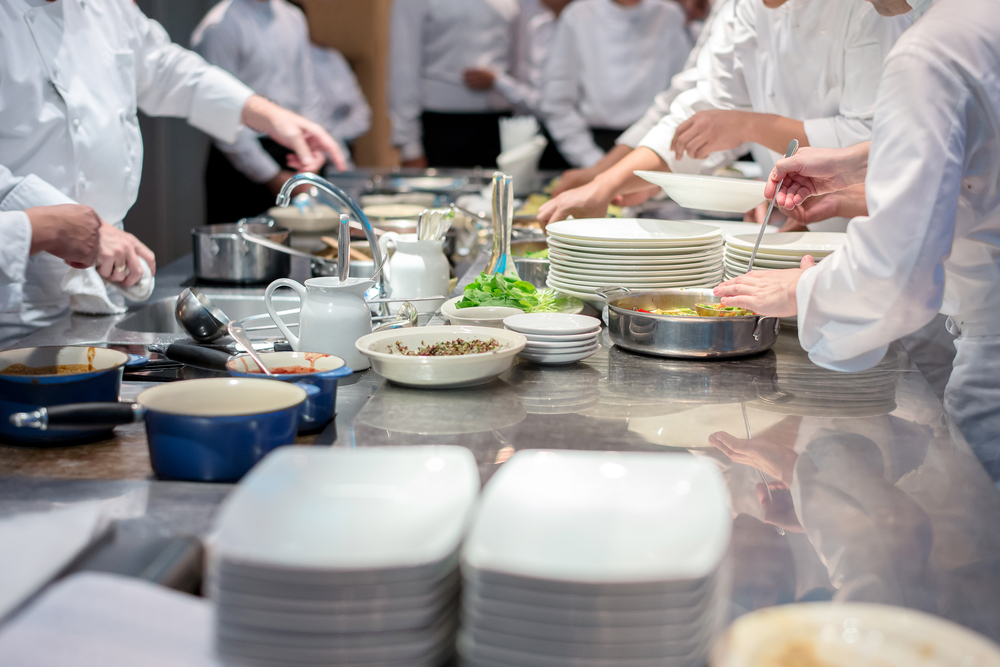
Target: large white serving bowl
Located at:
point(632, 230)
point(792, 243)
point(708, 193)
point(465, 370)
point(855, 635)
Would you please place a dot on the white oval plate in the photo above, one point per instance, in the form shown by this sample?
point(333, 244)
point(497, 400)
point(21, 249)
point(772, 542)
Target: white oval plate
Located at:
point(792, 243)
point(551, 323)
point(708, 193)
point(632, 230)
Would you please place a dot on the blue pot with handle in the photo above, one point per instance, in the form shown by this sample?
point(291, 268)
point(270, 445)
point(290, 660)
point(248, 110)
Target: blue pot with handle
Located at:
point(209, 430)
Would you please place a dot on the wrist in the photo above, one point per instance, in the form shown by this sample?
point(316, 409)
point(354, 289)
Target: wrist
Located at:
point(256, 112)
point(43, 232)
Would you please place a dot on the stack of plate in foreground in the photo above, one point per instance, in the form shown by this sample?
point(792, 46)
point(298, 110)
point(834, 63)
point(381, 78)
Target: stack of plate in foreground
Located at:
point(556, 338)
point(342, 556)
point(778, 251)
point(587, 559)
point(585, 255)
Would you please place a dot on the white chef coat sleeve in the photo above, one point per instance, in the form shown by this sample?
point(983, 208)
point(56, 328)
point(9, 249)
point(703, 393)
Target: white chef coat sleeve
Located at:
point(888, 279)
point(869, 40)
point(172, 81)
point(521, 94)
point(219, 44)
point(18, 193)
point(681, 82)
point(359, 117)
point(15, 246)
point(406, 69)
point(561, 98)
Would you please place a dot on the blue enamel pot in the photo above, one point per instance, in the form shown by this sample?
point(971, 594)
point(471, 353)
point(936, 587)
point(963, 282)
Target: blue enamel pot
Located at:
point(97, 376)
point(310, 368)
point(211, 430)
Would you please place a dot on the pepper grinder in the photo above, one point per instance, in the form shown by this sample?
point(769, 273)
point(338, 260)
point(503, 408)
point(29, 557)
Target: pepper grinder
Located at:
point(503, 221)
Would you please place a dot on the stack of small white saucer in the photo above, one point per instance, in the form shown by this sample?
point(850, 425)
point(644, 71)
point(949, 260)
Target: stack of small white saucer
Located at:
point(343, 556)
point(556, 338)
point(597, 559)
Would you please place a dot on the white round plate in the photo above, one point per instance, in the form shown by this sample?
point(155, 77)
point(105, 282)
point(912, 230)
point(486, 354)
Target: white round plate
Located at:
point(542, 338)
point(551, 358)
point(632, 251)
point(733, 228)
point(792, 243)
point(634, 282)
point(708, 193)
point(850, 635)
point(632, 230)
point(560, 347)
point(740, 253)
point(551, 323)
point(631, 263)
point(321, 218)
point(759, 264)
point(707, 281)
point(448, 307)
point(443, 372)
point(482, 316)
point(587, 244)
point(604, 272)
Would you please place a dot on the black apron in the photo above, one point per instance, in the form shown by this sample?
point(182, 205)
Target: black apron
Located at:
point(229, 195)
point(462, 140)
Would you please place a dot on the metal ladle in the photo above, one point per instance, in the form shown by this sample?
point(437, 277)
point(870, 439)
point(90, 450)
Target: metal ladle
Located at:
point(201, 318)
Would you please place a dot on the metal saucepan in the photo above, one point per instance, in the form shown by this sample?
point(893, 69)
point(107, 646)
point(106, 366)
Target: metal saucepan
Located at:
point(683, 337)
point(221, 254)
point(210, 430)
point(98, 378)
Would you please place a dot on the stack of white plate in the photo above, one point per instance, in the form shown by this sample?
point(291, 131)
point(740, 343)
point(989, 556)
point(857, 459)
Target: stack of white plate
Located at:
point(779, 251)
point(556, 338)
point(342, 556)
point(597, 559)
point(585, 255)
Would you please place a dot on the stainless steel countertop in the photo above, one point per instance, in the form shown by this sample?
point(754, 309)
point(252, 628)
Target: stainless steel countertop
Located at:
point(882, 504)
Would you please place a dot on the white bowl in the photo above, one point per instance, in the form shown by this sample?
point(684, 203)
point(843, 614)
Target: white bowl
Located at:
point(465, 370)
point(482, 316)
point(708, 193)
point(551, 323)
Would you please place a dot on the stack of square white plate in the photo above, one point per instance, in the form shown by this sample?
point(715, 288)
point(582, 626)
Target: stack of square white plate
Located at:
point(342, 556)
point(778, 251)
point(556, 338)
point(597, 559)
point(585, 255)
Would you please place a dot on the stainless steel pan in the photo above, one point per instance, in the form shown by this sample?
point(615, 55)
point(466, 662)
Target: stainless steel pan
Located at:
point(222, 255)
point(683, 337)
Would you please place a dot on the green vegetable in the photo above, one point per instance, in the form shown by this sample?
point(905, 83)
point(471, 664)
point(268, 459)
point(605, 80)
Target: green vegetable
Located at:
point(536, 254)
point(497, 290)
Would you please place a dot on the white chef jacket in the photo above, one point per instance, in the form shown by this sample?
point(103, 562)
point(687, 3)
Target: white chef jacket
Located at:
point(932, 237)
point(432, 43)
point(607, 64)
point(810, 60)
point(525, 92)
point(266, 46)
point(15, 244)
point(72, 75)
point(344, 111)
point(714, 29)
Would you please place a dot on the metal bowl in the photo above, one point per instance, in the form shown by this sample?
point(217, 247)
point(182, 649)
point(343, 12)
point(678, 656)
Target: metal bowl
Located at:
point(683, 337)
point(534, 271)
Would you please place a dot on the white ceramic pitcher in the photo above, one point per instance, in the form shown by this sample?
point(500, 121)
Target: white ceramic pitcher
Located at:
point(416, 269)
point(333, 316)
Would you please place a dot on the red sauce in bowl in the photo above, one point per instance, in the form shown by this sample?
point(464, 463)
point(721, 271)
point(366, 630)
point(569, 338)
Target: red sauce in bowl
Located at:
point(286, 370)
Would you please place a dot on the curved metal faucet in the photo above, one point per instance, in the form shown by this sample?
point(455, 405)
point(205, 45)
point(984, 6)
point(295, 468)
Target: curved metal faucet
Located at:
point(335, 197)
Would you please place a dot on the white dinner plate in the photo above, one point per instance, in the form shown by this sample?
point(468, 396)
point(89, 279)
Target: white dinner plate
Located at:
point(739, 251)
point(638, 263)
point(632, 230)
point(448, 307)
point(533, 337)
point(551, 323)
point(565, 347)
point(758, 264)
point(733, 228)
point(792, 243)
point(708, 193)
point(679, 251)
point(710, 280)
point(641, 245)
point(556, 359)
point(604, 272)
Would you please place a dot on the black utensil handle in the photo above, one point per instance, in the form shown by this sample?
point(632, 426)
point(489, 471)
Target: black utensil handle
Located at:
point(198, 356)
point(75, 416)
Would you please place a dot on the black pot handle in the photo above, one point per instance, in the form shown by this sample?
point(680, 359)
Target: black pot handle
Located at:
point(198, 356)
point(79, 416)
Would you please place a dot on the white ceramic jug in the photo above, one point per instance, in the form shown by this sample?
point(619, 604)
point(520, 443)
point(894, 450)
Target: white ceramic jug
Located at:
point(333, 316)
point(416, 269)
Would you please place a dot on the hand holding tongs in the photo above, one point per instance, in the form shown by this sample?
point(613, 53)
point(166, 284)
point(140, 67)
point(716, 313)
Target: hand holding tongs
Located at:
point(793, 146)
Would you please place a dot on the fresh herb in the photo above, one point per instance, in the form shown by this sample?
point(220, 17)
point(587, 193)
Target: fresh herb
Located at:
point(449, 348)
point(497, 290)
point(536, 254)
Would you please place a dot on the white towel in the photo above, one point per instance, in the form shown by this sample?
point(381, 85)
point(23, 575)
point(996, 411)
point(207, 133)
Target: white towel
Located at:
point(88, 292)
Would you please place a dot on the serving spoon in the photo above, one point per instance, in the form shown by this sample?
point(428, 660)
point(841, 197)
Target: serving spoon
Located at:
point(793, 146)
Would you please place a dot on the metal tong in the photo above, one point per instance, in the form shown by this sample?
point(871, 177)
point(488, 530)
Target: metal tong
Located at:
point(793, 146)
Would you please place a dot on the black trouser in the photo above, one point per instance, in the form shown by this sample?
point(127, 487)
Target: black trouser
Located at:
point(605, 137)
point(461, 139)
point(229, 195)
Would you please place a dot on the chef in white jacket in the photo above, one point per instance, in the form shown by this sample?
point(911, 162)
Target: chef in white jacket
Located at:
point(343, 109)
point(609, 60)
point(788, 69)
point(931, 238)
point(73, 74)
point(714, 24)
point(437, 119)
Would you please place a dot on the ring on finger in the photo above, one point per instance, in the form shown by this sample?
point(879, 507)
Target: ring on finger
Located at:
point(120, 268)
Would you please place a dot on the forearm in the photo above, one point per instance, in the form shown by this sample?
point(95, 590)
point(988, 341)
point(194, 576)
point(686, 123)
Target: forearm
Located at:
point(620, 179)
point(774, 132)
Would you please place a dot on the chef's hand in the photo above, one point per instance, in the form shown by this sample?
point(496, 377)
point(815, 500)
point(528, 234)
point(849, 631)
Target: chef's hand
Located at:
point(415, 163)
point(71, 232)
point(311, 143)
point(479, 78)
point(588, 201)
point(710, 131)
point(770, 293)
point(779, 510)
point(768, 454)
point(636, 198)
point(816, 171)
point(574, 178)
point(118, 257)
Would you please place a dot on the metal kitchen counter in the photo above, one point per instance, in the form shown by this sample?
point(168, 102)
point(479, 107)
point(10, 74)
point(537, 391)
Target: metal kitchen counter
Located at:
point(877, 500)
